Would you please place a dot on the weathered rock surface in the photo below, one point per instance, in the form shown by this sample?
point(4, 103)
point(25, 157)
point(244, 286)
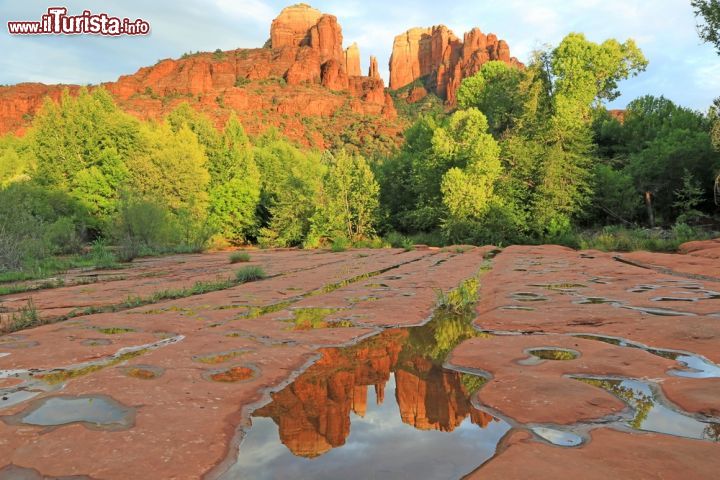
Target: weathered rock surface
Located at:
point(437, 54)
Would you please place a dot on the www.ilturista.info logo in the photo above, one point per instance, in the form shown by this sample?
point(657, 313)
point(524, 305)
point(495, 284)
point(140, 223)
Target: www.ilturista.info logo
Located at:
point(58, 22)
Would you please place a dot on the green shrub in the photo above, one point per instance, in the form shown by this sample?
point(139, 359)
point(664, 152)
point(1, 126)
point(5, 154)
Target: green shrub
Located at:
point(140, 224)
point(101, 256)
point(26, 317)
point(339, 244)
point(239, 257)
point(397, 240)
point(250, 273)
point(62, 236)
point(461, 299)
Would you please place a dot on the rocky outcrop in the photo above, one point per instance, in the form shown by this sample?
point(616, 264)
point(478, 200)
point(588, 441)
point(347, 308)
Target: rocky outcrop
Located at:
point(352, 60)
point(292, 27)
point(439, 57)
point(373, 71)
point(292, 79)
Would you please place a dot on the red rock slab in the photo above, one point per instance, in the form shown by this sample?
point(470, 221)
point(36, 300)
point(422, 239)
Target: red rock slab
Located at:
point(543, 393)
point(185, 423)
point(610, 454)
point(147, 277)
point(698, 395)
point(698, 246)
point(562, 278)
point(702, 263)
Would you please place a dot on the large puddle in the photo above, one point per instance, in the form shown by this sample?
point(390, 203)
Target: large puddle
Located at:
point(385, 407)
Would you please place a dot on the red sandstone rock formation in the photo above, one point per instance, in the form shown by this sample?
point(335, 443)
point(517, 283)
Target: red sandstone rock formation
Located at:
point(438, 54)
point(305, 50)
point(373, 71)
point(352, 60)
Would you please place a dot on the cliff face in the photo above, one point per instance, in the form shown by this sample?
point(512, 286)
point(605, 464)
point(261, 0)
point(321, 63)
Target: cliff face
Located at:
point(282, 85)
point(436, 53)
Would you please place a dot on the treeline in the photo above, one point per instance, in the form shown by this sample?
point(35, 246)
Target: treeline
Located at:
point(86, 171)
point(531, 155)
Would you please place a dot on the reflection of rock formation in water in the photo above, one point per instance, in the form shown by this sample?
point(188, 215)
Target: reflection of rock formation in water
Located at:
point(435, 399)
point(313, 413)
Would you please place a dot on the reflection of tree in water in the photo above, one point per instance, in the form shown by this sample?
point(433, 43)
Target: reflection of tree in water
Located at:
point(314, 412)
point(638, 400)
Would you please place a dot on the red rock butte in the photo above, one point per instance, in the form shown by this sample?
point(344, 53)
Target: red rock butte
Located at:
point(437, 54)
point(296, 75)
point(302, 81)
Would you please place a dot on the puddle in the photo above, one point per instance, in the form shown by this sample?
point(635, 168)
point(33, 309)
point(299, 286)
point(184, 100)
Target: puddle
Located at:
point(143, 372)
point(34, 381)
point(674, 299)
point(663, 312)
point(96, 342)
point(563, 287)
point(385, 407)
point(14, 472)
point(651, 413)
point(96, 412)
point(517, 307)
point(528, 297)
point(695, 366)
point(555, 354)
point(596, 301)
point(561, 438)
point(234, 374)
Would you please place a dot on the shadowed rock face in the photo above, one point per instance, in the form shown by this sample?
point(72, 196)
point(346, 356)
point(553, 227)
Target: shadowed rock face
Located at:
point(438, 54)
point(305, 50)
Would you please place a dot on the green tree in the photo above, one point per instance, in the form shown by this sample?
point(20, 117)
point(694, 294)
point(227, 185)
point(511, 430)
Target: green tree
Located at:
point(708, 14)
point(496, 91)
point(348, 201)
point(235, 185)
point(80, 146)
point(172, 170)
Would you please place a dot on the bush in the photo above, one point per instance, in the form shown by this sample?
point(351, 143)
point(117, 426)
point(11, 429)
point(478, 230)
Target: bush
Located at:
point(101, 256)
point(36, 222)
point(621, 239)
point(250, 273)
point(26, 317)
point(62, 236)
point(339, 244)
point(239, 257)
point(398, 240)
point(140, 224)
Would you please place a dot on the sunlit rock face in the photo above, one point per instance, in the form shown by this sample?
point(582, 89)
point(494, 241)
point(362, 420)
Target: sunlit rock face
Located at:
point(295, 76)
point(437, 54)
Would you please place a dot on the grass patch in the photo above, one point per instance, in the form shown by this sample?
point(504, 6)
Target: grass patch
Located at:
point(61, 376)
point(398, 240)
point(26, 317)
point(339, 245)
point(239, 257)
point(461, 299)
point(115, 330)
point(250, 273)
point(621, 239)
